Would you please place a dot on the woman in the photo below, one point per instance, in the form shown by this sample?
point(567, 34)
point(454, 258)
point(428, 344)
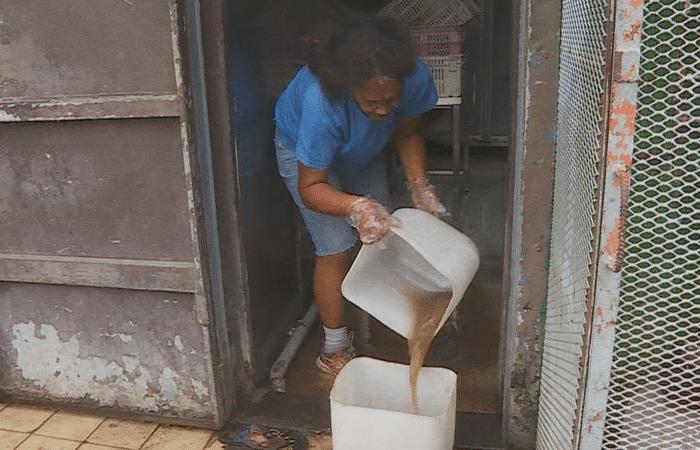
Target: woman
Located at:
point(362, 88)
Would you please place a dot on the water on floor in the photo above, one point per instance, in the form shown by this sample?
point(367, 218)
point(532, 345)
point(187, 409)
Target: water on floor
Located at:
point(469, 342)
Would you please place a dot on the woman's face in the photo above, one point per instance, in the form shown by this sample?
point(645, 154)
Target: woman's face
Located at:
point(378, 97)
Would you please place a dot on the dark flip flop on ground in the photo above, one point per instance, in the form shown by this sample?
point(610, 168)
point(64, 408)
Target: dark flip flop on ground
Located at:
point(260, 437)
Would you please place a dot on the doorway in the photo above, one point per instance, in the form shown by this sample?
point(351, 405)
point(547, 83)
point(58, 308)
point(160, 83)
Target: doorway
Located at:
point(261, 61)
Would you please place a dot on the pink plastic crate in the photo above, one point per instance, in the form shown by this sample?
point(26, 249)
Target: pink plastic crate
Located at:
point(440, 49)
point(438, 41)
point(437, 35)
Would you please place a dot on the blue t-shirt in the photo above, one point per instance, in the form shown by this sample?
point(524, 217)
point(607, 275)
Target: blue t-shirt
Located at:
point(337, 134)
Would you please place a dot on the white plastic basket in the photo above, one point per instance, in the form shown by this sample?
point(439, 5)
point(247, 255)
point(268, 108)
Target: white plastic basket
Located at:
point(431, 12)
point(447, 73)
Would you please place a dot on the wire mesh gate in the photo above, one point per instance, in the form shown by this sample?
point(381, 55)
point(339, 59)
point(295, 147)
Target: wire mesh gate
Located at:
point(642, 380)
point(651, 382)
point(580, 132)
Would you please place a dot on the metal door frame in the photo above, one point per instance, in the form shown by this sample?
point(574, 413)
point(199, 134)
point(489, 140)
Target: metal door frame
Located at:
point(211, 130)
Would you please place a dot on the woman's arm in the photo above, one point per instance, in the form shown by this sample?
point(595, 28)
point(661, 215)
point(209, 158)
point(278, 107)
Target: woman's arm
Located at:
point(370, 218)
point(319, 195)
point(411, 147)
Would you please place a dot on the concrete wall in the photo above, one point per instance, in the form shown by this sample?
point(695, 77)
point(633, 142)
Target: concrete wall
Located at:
point(532, 161)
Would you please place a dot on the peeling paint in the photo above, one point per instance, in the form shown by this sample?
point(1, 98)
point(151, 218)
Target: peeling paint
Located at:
point(612, 246)
point(621, 166)
point(70, 374)
point(178, 343)
point(125, 338)
point(199, 389)
point(622, 118)
point(634, 32)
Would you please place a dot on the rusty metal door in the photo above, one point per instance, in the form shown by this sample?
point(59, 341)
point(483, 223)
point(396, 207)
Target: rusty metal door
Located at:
point(99, 247)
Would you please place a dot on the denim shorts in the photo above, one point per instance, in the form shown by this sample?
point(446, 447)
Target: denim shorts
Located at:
point(332, 235)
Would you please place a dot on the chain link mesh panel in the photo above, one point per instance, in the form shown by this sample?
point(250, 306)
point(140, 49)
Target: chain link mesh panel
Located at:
point(654, 396)
point(579, 134)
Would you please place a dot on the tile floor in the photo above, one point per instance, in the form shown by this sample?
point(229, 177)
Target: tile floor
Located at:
point(31, 428)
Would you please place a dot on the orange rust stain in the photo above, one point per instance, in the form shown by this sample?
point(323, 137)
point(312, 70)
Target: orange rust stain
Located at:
point(599, 311)
point(626, 14)
point(634, 31)
point(626, 113)
point(622, 180)
point(597, 418)
point(622, 177)
point(621, 143)
point(637, 3)
point(630, 73)
point(624, 157)
point(612, 247)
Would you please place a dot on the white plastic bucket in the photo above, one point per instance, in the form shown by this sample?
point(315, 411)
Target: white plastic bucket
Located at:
point(371, 404)
point(438, 257)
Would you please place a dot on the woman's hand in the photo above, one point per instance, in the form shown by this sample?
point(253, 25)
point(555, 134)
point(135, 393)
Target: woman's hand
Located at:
point(411, 147)
point(371, 219)
point(424, 197)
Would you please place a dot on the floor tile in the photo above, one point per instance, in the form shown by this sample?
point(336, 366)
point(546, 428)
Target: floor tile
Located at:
point(23, 418)
point(11, 439)
point(215, 444)
point(178, 438)
point(96, 447)
point(122, 433)
point(65, 425)
point(36, 442)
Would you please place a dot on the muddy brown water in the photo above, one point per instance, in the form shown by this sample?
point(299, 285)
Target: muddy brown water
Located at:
point(427, 300)
point(428, 308)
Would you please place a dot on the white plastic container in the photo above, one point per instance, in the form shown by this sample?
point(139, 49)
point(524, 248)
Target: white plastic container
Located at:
point(431, 12)
point(371, 404)
point(437, 256)
point(447, 74)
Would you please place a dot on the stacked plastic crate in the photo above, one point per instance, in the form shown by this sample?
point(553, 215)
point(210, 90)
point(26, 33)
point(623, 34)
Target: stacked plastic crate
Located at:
point(438, 29)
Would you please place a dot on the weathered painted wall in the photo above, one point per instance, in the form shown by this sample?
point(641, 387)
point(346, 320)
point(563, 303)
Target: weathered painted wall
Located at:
point(102, 294)
point(132, 350)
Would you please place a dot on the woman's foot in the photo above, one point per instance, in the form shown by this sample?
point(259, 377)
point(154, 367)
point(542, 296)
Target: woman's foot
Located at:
point(333, 363)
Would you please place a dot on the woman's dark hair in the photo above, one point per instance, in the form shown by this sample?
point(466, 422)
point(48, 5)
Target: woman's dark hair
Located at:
point(352, 49)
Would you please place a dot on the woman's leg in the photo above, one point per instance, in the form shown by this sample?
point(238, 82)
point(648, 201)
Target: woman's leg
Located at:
point(328, 276)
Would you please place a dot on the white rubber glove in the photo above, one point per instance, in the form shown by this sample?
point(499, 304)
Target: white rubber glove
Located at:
point(371, 219)
point(424, 197)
